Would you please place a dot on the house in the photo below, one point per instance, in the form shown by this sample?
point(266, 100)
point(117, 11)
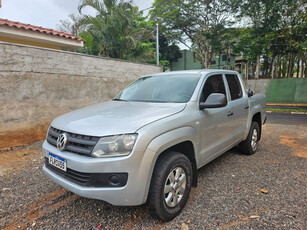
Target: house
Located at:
point(27, 34)
point(190, 60)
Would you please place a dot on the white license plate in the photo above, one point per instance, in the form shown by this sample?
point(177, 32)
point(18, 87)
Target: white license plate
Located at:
point(57, 161)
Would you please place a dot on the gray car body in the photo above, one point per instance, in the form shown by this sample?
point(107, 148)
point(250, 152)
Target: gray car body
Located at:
point(159, 126)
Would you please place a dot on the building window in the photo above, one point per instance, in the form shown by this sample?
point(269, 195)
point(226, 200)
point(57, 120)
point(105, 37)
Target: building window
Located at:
point(213, 62)
point(224, 57)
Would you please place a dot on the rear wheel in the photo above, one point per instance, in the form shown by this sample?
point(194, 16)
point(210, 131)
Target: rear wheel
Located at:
point(250, 145)
point(170, 185)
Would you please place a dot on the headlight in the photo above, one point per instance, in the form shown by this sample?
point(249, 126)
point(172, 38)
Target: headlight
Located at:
point(118, 145)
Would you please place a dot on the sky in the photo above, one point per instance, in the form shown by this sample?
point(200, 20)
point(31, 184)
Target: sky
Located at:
point(47, 13)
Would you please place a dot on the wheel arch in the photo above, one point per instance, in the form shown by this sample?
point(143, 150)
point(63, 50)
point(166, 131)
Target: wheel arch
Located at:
point(182, 140)
point(187, 149)
point(257, 118)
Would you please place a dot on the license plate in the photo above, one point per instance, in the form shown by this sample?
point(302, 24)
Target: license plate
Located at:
point(57, 161)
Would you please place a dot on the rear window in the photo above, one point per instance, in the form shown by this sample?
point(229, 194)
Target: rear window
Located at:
point(234, 86)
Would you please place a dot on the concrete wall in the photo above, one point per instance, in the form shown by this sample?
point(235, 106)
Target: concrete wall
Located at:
point(257, 86)
point(37, 85)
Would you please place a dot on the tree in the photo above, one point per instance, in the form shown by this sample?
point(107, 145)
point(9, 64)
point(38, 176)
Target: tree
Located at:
point(195, 22)
point(292, 34)
point(168, 50)
point(72, 25)
point(110, 27)
point(263, 18)
point(118, 30)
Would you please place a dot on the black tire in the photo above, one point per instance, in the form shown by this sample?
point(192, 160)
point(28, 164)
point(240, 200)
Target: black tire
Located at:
point(250, 145)
point(172, 163)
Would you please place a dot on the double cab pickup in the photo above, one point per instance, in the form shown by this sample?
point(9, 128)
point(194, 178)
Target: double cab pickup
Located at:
point(147, 143)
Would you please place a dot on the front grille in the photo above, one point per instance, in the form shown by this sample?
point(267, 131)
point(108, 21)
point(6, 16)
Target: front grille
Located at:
point(76, 143)
point(90, 179)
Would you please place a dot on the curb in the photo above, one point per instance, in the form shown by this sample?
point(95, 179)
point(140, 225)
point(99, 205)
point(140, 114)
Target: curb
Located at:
point(286, 104)
point(298, 113)
point(286, 112)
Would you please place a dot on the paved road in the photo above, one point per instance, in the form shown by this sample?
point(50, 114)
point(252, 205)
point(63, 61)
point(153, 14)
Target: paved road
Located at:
point(287, 119)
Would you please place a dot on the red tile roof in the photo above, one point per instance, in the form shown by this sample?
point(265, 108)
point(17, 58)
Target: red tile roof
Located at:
point(29, 27)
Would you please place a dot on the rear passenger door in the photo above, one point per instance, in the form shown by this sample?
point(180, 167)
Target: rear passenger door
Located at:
point(238, 107)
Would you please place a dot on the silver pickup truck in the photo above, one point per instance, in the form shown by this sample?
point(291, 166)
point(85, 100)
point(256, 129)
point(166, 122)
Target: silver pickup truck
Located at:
point(147, 143)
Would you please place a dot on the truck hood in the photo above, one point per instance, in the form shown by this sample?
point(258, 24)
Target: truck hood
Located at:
point(114, 117)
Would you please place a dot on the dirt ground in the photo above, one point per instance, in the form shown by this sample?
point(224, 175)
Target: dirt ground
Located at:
point(263, 191)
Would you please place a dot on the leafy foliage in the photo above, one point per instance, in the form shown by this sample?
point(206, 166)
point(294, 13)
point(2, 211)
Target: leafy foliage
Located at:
point(271, 35)
point(196, 22)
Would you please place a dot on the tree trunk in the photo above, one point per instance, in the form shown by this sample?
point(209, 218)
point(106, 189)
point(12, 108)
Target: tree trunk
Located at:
point(229, 58)
point(298, 68)
point(290, 66)
point(284, 68)
point(279, 69)
point(305, 67)
point(205, 64)
point(257, 66)
point(300, 74)
point(205, 60)
point(271, 67)
point(253, 70)
point(266, 68)
point(275, 65)
point(246, 70)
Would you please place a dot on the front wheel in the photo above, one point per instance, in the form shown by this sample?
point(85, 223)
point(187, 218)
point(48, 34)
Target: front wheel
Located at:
point(250, 144)
point(170, 186)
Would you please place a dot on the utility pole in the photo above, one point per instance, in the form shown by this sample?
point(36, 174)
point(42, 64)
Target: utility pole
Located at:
point(157, 43)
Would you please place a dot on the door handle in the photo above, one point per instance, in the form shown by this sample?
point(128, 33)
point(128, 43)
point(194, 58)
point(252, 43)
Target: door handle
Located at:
point(246, 107)
point(229, 114)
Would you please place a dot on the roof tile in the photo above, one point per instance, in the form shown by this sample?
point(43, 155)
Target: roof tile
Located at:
point(19, 25)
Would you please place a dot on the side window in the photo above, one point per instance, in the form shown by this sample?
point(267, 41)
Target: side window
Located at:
point(234, 86)
point(214, 84)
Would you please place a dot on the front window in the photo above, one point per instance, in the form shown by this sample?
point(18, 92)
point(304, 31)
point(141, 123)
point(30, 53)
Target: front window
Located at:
point(176, 88)
point(214, 84)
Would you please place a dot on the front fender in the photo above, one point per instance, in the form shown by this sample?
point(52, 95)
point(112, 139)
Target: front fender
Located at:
point(161, 143)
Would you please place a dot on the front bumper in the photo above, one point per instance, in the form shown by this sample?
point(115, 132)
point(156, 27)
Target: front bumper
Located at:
point(137, 165)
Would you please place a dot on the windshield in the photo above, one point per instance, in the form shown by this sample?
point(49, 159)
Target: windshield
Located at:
point(176, 88)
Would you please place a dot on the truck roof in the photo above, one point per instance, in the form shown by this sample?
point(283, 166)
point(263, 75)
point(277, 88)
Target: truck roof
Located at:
point(197, 71)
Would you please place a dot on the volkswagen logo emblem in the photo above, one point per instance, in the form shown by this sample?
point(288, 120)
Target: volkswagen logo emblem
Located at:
point(61, 141)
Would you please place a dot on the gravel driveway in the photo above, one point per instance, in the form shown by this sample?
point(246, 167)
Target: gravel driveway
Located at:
point(263, 191)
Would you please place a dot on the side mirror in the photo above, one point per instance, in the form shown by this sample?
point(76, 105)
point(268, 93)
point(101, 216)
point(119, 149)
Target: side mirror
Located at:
point(215, 100)
point(250, 93)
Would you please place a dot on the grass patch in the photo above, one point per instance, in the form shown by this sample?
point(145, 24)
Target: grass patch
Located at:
point(286, 110)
